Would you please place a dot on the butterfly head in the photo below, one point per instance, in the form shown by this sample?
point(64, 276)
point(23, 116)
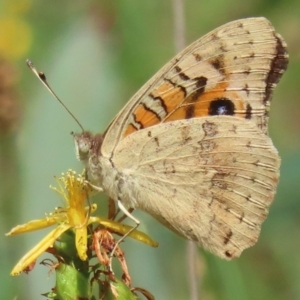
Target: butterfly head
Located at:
point(87, 144)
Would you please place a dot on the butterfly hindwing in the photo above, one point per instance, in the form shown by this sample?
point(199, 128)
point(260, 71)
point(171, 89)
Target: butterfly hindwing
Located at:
point(208, 179)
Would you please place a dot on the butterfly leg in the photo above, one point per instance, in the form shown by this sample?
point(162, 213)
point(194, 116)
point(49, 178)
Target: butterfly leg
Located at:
point(126, 213)
point(112, 211)
point(137, 222)
point(87, 195)
point(96, 188)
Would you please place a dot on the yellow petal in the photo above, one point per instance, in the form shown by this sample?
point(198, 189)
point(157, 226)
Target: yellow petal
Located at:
point(33, 225)
point(123, 229)
point(81, 242)
point(39, 249)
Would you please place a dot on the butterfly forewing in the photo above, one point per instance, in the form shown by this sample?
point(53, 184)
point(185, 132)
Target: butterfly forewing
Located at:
point(230, 71)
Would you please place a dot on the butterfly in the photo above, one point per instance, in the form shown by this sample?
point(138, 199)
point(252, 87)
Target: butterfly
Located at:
point(191, 147)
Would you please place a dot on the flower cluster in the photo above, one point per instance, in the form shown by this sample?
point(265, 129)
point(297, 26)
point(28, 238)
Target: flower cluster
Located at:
point(75, 216)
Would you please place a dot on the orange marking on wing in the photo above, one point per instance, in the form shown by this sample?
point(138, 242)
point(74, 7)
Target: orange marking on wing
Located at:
point(145, 117)
point(170, 95)
point(201, 104)
point(130, 129)
point(180, 108)
point(200, 110)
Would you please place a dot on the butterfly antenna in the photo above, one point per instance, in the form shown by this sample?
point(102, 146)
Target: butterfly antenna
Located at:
point(42, 77)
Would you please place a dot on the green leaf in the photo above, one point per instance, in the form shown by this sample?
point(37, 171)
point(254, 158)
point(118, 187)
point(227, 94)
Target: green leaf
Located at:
point(72, 284)
point(121, 291)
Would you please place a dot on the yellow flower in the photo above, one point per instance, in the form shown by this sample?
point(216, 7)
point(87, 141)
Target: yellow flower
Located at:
point(76, 216)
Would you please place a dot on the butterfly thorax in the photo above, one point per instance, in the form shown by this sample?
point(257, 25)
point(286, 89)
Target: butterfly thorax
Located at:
point(100, 171)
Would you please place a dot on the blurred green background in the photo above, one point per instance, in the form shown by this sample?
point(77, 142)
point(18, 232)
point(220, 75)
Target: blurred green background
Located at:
point(96, 54)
